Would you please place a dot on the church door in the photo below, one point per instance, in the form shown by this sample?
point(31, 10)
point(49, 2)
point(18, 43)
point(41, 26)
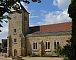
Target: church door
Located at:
point(15, 52)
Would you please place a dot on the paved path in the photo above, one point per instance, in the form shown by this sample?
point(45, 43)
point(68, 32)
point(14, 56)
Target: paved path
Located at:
point(3, 58)
point(42, 58)
point(34, 58)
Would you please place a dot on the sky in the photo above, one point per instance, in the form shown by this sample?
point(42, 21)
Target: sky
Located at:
point(44, 13)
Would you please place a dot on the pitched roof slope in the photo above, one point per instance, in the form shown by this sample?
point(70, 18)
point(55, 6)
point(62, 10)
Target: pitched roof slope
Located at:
point(56, 27)
point(67, 26)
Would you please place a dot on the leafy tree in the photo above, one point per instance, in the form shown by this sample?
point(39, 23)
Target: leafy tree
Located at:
point(66, 51)
point(70, 50)
point(4, 46)
point(0, 46)
point(6, 5)
point(59, 50)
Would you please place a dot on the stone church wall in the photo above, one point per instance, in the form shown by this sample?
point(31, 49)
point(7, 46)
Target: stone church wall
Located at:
point(42, 48)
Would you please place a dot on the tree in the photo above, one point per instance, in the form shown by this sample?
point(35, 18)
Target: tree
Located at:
point(0, 46)
point(66, 51)
point(4, 45)
point(72, 14)
point(6, 5)
point(70, 49)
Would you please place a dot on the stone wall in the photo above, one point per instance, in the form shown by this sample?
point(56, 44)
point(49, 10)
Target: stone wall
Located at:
point(58, 38)
point(18, 27)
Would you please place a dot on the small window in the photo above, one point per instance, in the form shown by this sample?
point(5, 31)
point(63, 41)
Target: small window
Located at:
point(47, 45)
point(14, 30)
point(54, 45)
point(14, 40)
point(34, 45)
point(57, 43)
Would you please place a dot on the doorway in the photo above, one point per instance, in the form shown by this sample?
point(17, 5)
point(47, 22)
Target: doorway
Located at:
point(15, 52)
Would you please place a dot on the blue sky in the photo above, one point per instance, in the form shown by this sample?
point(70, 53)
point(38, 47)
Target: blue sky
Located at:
point(46, 12)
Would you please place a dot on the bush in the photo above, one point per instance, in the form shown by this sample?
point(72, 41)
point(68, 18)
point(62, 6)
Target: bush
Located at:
point(47, 55)
point(35, 55)
point(17, 58)
point(66, 58)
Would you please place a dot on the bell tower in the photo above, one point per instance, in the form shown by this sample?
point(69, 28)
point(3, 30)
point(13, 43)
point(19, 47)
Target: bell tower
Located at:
point(18, 28)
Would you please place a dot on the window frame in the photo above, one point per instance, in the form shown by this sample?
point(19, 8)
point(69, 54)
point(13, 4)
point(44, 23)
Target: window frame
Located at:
point(35, 45)
point(47, 45)
point(56, 44)
point(14, 30)
point(15, 40)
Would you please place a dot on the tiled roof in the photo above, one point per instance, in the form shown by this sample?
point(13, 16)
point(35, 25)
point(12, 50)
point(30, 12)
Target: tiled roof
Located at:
point(50, 33)
point(67, 26)
point(56, 27)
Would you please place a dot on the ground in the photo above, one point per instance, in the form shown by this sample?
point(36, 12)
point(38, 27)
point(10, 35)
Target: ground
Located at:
point(35, 58)
point(42, 58)
point(3, 58)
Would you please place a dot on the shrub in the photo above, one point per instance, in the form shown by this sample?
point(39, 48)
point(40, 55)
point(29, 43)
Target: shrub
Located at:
point(35, 55)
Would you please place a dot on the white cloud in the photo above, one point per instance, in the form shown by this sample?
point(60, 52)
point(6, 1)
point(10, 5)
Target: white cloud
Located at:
point(55, 17)
point(3, 35)
point(34, 16)
point(62, 4)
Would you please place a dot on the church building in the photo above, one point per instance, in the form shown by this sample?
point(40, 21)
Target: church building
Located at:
point(37, 40)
